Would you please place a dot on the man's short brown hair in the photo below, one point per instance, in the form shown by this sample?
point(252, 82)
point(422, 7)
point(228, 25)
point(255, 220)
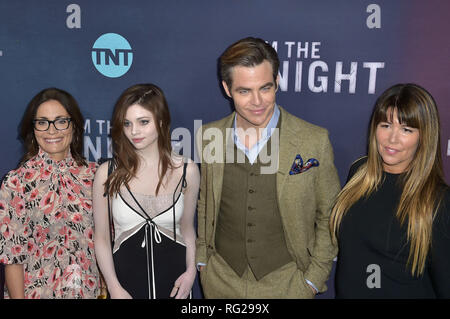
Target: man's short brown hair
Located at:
point(248, 52)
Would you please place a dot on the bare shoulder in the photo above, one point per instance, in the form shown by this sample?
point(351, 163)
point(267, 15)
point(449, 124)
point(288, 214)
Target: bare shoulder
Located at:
point(192, 170)
point(192, 176)
point(102, 172)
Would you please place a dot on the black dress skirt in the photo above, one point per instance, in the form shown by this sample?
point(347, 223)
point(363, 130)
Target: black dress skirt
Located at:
point(142, 278)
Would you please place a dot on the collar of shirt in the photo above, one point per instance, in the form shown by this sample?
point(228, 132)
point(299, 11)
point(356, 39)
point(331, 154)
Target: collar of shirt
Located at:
point(43, 159)
point(252, 153)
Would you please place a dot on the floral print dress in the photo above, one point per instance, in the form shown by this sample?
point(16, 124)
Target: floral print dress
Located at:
point(46, 224)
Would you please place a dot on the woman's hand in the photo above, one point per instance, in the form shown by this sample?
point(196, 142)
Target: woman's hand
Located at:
point(183, 285)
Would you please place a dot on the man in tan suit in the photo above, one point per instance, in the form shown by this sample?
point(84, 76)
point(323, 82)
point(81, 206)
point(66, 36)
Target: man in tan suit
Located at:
point(267, 186)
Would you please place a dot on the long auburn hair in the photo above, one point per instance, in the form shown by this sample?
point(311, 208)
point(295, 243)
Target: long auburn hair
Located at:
point(27, 127)
point(126, 159)
point(423, 180)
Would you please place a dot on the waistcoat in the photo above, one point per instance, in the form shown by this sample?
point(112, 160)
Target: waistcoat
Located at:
point(249, 228)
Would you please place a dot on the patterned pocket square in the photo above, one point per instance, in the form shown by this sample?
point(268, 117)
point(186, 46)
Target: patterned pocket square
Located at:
point(298, 167)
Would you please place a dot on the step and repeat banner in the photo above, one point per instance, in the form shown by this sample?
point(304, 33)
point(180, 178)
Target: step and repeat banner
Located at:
point(336, 59)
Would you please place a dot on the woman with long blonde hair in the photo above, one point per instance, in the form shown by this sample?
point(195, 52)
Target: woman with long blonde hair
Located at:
point(392, 219)
point(149, 194)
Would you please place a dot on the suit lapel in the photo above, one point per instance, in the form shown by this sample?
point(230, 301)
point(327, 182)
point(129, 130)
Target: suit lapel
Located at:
point(287, 148)
point(218, 167)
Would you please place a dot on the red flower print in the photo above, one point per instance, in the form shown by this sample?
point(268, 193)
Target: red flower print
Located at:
point(5, 221)
point(70, 183)
point(71, 196)
point(45, 174)
point(89, 234)
point(27, 278)
point(48, 202)
point(55, 279)
point(40, 234)
point(46, 216)
point(60, 214)
point(56, 273)
point(81, 256)
point(75, 170)
point(77, 218)
point(76, 189)
point(87, 182)
point(18, 204)
point(2, 205)
point(14, 184)
point(83, 260)
point(26, 231)
point(68, 235)
point(31, 246)
point(90, 281)
point(34, 194)
point(29, 175)
point(86, 203)
point(49, 249)
point(16, 250)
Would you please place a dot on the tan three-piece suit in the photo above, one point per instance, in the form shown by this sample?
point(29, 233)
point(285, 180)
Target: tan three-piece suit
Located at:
point(303, 199)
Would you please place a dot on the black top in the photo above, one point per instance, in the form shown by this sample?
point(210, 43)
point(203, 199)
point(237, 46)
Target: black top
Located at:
point(373, 249)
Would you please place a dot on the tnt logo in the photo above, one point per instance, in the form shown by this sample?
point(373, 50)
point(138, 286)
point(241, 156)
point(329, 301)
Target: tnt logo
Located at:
point(112, 55)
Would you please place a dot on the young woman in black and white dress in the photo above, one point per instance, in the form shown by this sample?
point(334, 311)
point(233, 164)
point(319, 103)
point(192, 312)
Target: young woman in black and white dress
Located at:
point(151, 194)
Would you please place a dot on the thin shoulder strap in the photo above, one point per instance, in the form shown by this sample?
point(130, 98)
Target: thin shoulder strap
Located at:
point(184, 175)
point(182, 181)
point(110, 169)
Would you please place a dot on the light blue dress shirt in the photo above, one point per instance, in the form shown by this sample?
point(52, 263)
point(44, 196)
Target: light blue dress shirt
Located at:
point(252, 153)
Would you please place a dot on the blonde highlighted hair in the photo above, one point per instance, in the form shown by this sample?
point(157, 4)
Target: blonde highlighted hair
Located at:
point(423, 179)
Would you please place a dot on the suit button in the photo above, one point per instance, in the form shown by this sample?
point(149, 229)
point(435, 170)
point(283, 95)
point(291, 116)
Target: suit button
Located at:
point(250, 208)
point(250, 224)
point(251, 191)
point(250, 241)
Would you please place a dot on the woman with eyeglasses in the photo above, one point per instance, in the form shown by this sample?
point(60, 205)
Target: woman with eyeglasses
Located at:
point(46, 222)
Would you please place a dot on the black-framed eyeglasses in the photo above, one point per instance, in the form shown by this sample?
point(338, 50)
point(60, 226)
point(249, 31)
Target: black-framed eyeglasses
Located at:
point(59, 124)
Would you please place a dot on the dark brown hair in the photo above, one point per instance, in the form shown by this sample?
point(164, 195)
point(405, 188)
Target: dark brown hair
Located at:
point(126, 160)
point(77, 120)
point(248, 52)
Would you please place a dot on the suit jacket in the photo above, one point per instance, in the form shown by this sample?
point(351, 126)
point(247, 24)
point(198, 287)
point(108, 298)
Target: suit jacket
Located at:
point(305, 199)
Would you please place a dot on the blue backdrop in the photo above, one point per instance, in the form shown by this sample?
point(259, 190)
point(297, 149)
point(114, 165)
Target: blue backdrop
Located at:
point(336, 58)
